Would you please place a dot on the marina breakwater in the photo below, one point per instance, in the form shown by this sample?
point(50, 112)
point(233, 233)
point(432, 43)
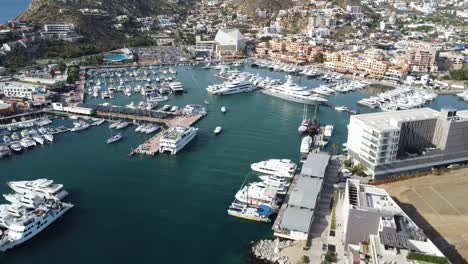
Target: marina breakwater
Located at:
point(269, 251)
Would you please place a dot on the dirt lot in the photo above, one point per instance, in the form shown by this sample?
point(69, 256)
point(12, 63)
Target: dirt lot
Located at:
point(439, 205)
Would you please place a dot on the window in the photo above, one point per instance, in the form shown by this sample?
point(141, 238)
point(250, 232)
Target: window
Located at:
point(386, 134)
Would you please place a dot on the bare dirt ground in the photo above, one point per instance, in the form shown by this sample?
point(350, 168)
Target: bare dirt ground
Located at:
point(438, 205)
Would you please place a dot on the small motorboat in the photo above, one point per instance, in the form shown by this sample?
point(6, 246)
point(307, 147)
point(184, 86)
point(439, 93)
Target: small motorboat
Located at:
point(114, 138)
point(218, 130)
point(223, 109)
point(16, 147)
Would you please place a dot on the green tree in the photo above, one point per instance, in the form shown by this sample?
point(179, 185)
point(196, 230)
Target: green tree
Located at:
point(62, 67)
point(73, 74)
point(319, 57)
point(459, 75)
point(305, 260)
point(331, 257)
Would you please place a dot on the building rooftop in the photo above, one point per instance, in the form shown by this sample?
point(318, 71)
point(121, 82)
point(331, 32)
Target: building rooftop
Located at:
point(297, 219)
point(305, 192)
point(389, 120)
point(315, 165)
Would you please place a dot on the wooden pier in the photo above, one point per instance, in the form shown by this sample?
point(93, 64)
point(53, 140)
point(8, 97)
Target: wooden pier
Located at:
point(151, 146)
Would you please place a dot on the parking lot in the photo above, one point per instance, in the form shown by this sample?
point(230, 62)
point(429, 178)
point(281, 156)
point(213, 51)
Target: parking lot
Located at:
point(438, 204)
point(163, 55)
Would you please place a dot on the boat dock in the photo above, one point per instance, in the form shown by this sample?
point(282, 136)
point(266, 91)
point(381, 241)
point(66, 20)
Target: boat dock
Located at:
point(151, 146)
point(295, 216)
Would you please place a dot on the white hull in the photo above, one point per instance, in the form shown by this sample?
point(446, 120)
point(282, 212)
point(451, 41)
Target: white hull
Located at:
point(8, 244)
point(292, 98)
point(173, 150)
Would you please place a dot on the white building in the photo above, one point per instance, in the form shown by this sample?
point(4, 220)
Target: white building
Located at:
point(60, 31)
point(407, 141)
point(376, 228)
point(20, 90)
point(229, 41)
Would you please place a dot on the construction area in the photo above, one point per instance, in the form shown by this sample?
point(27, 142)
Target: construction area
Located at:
point(438, 205)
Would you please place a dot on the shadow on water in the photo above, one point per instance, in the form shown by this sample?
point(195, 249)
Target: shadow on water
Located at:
point(447, 249)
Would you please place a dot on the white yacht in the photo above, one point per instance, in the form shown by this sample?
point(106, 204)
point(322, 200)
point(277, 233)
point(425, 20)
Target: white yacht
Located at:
point(306, 144)
point(176, 138)
point(19, 224)
point(114, 138)
point(176, 87)
point(218, 130)
point(274, 180)
point(151, 128)
point(255, 195)
point(292, 92)
point(78, 126)
point(49, 137)
point(40, 187)
point(122, 125)
point(28, 200)
point(235, 87)
point(16, 147)
point(27, 143)
point(280, 167)
point(328, 130)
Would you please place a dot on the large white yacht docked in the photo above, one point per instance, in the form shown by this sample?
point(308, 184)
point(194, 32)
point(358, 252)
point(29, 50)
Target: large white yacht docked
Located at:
point(41, 187)
point(255, 195)
point(231, 87)
point(293, 92)
point(176, 138)
point(18, 223)
point(279, 167)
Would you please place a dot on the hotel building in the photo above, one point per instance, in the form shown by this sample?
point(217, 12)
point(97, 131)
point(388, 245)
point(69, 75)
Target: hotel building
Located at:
point(407, 141)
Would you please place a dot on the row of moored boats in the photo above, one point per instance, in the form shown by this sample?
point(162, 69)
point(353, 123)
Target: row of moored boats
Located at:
point(259, 201)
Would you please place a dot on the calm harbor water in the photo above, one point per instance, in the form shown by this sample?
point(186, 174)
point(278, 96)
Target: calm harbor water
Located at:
point(168, 209)
point(9, 9)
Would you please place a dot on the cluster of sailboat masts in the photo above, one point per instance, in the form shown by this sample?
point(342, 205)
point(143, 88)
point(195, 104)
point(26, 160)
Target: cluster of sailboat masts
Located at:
point(259, 201)
point(399, 99)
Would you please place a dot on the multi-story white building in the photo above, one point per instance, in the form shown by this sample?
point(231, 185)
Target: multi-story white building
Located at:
point(51, 28)
point(375, 228)
point(60, 31)
point(19, 90)
point(393, 143)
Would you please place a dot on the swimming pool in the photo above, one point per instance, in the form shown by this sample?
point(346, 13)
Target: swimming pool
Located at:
point(115, 57)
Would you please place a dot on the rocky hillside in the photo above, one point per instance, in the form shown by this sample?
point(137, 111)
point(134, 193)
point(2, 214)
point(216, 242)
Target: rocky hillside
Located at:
point(99, 28)
point(250, 6)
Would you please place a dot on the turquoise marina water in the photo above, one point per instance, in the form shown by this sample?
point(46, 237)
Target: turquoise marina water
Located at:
point(168, 209)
